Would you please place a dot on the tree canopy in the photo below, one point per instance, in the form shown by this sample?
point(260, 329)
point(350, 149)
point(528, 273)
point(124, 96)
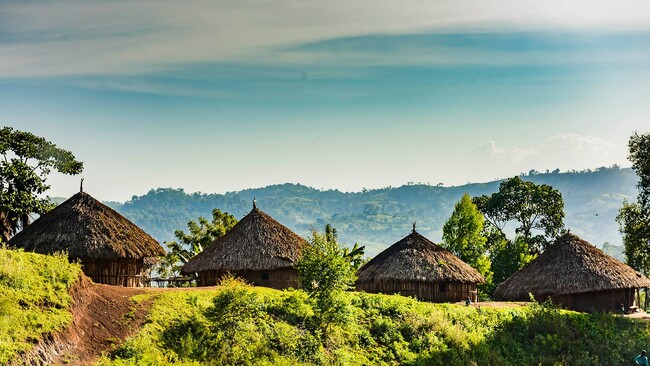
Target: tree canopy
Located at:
point(201, 234)
point(531, 206)
point(634, 218)
point(27, 161)
point(639, 146)
point(462, 235)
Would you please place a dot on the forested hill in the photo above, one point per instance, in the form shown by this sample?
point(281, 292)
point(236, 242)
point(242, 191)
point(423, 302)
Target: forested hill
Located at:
point(379, 217)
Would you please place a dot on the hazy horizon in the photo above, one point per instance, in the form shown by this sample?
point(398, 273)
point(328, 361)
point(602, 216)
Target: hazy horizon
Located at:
point(323, 189)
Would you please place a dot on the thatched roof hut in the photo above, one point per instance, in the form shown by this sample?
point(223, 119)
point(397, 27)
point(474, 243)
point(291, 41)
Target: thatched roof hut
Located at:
point(111, 248)
point(575, 274)
point(415, 266)
point(257, 248)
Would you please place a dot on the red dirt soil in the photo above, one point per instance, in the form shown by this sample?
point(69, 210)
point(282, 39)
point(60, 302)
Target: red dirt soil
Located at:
point(103, 316)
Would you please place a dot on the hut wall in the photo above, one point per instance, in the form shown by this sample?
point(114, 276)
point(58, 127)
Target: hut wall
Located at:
point(278, 279)
point(117, 272)
point(597, 300)
point(425, 291)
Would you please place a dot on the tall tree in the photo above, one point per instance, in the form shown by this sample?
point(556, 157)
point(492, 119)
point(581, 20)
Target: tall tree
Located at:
point(462, 235)
point(635, 227)
point(201, 234)
point(27, 161)
point(508, 257)
point(639, 146)
point(634, 218)
point(532, 206)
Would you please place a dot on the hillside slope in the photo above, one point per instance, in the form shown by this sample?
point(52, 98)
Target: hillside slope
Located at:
point(50, 314)
point(377, 218)
point(34, 299)
point(236, 324)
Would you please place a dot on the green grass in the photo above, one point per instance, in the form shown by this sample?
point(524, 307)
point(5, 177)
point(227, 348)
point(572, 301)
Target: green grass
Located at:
point(34, 298)
point(242, 325)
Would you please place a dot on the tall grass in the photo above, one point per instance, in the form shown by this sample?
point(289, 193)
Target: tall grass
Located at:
point(34, 298)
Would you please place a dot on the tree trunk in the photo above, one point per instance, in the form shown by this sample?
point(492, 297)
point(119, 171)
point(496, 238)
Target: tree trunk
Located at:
point(24, 222)
point(5, 227)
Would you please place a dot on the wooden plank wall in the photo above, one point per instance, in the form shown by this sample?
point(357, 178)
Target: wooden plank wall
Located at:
point(426, 291)
point(278, 279)
point(120, 272)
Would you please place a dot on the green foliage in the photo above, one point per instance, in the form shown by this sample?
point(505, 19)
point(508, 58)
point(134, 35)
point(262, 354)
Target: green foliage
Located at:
point(383, 330)
point(201, 234)
point(327, 270)
point(635, 227)
point(532, 206)
point(634, 218)
point(34, 298)
point(234, 325)
point(462, 235)
point(509, 257)
point(27, 161)
point(639, 146)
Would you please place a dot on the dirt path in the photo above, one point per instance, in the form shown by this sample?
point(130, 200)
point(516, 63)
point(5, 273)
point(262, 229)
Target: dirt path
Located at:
point(102, 316)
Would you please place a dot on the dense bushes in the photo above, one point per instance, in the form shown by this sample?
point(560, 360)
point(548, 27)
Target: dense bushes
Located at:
point(34, 298)
point(243, 325)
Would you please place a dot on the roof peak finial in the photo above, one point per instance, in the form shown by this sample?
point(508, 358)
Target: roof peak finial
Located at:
point(414, 226)
point(254, 203)
point(81, 185)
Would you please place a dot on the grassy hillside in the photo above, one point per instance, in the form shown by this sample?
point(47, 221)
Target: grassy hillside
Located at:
point(241, 325)
point(379, 217)
point(34, 298)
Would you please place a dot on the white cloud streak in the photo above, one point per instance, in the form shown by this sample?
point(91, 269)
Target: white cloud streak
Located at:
point(565, 151)
point(131, 37)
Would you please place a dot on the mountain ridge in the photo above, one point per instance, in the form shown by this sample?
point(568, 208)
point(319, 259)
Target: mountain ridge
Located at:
point(379, 217)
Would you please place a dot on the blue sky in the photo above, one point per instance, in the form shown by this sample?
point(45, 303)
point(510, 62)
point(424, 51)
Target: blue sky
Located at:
point(221, 96)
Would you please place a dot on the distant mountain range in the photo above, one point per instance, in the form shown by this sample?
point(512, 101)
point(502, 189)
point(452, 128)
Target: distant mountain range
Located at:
point(379, 217)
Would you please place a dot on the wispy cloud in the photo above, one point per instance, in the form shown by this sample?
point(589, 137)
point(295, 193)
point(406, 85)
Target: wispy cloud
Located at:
point(133, 37)
point(564, 151)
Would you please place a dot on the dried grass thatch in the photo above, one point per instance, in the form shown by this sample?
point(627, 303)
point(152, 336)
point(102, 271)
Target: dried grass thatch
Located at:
point(85, 228)
point(256, 243)
point(570, 266)
point(416, 258)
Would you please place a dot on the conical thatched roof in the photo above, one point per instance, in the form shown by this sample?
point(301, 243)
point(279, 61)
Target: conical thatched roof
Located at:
point(570, 266)
point(416, 258)
point(85, 228)
point(256, 243)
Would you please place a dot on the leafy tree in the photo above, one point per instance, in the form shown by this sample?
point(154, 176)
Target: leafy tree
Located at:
point(635, 227)
point(354, 255)
point(532, 206)
point(27, 161)
point(634, 218)
point(462, 235)
point(508, 257)
point(639, 146)
point(201, 234)
point(327, 270)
